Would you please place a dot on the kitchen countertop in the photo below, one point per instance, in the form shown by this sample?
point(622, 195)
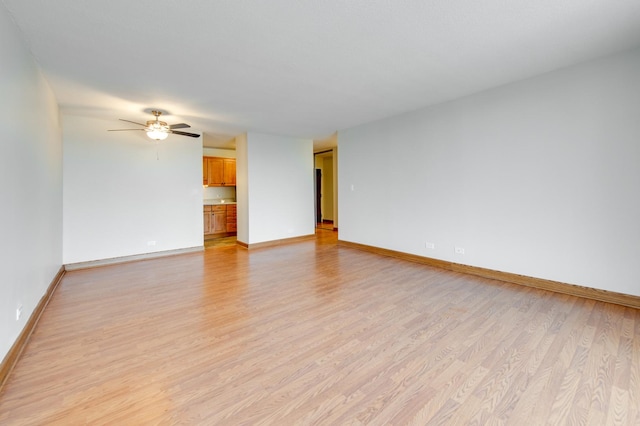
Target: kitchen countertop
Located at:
point(217, 201)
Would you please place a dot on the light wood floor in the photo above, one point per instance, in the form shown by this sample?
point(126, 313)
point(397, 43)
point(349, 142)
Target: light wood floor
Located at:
point(314, 333)
point(325, 225)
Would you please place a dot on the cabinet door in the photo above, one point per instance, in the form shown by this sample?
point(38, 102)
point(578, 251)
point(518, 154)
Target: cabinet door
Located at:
point(232, 224)
point(216, 171)
point(207, 216)
point(219, 222)
point(229, 178)
point(205, 170)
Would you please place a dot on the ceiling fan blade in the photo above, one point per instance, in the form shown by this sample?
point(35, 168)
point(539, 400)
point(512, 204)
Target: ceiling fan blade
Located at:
point(121, 130)
point(193, 135)
point(179, 126)
point(129, 121)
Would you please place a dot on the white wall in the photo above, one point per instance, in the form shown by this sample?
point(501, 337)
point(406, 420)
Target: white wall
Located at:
point(217, 152)
point(123, 190)
point(30, 184)
point(335, 188)
point(242, 188)
point(279, 195)
point(539, 178)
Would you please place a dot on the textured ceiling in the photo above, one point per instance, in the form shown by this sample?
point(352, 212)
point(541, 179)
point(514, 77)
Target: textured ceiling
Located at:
point(300, 67)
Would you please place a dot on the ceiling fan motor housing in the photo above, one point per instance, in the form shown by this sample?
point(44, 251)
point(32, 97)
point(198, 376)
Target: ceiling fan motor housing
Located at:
point(155, 124)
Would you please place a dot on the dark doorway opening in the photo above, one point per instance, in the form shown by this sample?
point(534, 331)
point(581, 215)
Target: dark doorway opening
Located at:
point(318, 196)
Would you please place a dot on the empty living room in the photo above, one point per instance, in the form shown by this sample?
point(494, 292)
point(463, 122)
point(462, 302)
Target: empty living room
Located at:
point(161, 262)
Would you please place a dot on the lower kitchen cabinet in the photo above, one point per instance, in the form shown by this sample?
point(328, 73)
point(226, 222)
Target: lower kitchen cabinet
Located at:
point(232, 222)
point(206, 218)
point(219, 220)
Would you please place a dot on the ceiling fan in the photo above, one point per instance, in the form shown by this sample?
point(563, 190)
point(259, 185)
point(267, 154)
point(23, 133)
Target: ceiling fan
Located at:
point(159, 130)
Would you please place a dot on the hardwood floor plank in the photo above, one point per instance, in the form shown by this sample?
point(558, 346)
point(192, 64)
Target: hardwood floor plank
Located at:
point(317, 333)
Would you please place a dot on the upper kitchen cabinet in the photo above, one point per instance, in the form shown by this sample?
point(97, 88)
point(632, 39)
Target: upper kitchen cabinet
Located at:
point(229, 172)
point(218, 171)
point(205, 170)
point(215, 168)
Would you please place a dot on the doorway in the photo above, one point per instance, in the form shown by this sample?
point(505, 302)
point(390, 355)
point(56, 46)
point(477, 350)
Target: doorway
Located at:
point(318, 196)
point(324, 189)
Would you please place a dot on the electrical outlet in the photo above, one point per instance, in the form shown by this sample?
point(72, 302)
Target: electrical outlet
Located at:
point(18, 312)
point(459, 250)
point(429, 245)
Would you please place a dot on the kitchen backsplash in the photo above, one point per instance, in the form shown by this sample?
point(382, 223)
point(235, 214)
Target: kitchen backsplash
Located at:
point(213, 192)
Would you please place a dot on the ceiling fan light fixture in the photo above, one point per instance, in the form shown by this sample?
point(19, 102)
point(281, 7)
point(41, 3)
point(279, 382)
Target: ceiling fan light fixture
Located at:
point(157, 130)
point(158, 135)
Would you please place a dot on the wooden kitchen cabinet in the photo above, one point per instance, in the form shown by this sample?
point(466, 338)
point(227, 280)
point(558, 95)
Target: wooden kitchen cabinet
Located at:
point(232, 221)
point(219, 220)
point(229, 172)
point(215, 220)
point(205, 170)
point(215, 168)
point(218, 171)
point(206, 218)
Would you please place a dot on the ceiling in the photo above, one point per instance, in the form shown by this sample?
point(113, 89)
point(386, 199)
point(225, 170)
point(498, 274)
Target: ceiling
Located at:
point(303, 68)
